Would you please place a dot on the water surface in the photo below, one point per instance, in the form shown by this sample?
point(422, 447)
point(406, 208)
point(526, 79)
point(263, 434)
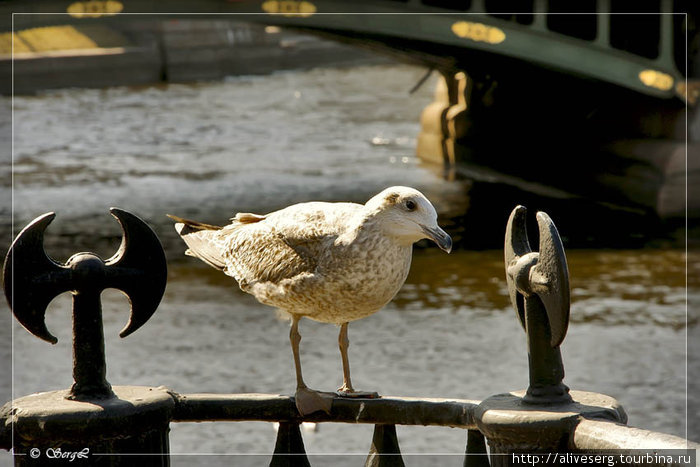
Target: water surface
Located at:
point(256, 144)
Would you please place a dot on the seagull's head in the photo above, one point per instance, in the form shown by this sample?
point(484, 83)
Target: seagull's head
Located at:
point(406, 214)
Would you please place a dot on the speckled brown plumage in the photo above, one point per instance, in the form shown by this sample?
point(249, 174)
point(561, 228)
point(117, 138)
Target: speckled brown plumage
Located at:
point(330, 262)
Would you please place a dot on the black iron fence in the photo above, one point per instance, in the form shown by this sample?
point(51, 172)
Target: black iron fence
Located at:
point(95, 423)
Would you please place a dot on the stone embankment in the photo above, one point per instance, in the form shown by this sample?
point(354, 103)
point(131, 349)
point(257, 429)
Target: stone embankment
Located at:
point(141, 52)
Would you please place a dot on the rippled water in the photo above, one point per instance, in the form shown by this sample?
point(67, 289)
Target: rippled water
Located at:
point(258, 143)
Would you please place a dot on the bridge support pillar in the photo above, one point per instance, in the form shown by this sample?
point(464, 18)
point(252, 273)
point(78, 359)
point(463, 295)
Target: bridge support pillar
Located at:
point(431, 139)
point(446, 120)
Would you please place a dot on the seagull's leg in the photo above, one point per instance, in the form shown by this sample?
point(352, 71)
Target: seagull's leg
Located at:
point(295, 339)
point(343, 344)
point(307, 400)
point(346, 390)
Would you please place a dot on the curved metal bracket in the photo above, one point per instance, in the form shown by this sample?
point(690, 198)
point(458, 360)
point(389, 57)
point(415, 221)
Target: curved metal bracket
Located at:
point(138, 269)
point(32, 279)
point(545, 273)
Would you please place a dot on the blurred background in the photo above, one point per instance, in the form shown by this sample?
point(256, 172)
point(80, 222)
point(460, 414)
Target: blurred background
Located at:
point(582, 116)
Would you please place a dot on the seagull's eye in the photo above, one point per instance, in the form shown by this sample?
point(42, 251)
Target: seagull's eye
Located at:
point(411, 205)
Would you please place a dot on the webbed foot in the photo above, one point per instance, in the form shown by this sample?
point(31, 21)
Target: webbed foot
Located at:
point(344, 391)
point(309, 401)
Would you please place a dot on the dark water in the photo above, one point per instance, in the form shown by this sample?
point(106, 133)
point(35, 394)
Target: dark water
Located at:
point(259, 143)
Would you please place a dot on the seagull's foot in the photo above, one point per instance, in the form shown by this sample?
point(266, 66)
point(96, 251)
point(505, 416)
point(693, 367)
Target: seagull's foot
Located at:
point(309, 401)
point(350, 393)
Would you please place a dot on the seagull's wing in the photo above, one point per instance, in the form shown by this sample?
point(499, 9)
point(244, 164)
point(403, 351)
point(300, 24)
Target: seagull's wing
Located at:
point(289, 243)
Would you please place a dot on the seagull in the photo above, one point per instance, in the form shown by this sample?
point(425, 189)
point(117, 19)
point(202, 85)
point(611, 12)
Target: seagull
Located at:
point(329, 262)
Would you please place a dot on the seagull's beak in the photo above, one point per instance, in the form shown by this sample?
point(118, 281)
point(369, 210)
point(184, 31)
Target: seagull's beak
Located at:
point(439, 236)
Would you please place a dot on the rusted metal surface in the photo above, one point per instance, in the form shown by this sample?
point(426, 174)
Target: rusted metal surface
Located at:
point(272, 408)
point(538, 284)
point(32, 279)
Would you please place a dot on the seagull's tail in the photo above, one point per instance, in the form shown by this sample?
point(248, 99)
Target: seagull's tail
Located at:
point(194, 225)
point(201, 240)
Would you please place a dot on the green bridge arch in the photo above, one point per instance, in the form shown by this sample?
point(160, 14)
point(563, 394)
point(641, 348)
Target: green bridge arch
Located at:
point(645, 52)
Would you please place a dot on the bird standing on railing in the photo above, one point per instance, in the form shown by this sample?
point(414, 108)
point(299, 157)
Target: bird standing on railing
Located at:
point(330, 262)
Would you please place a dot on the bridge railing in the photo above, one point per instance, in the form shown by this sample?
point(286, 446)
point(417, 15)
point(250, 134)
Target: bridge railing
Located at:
point(98, 424)
point(645, 53)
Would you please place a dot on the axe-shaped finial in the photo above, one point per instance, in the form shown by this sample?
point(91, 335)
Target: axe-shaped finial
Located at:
point(538, 284)
point(32, 279)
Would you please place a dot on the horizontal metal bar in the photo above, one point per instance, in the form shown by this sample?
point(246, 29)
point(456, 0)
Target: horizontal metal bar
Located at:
point(602, 435)
point(274, 408)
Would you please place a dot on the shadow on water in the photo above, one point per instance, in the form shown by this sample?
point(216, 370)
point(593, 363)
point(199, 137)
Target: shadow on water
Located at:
point(475, 216)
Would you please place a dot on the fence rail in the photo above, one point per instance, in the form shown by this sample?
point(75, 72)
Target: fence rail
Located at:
point(599, 434)
point(275, 408)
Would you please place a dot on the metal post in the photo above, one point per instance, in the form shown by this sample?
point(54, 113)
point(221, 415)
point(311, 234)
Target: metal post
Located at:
point(540, 9)
point(90, 369)
point(665, 58)
point(542, 418)
point(538, 283)
point(114, 426)
point(602, 38)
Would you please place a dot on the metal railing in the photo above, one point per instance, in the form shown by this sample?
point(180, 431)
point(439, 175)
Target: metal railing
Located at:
point(129, 425)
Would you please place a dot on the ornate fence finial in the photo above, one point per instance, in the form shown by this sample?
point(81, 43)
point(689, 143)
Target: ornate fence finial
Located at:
point(32, 279)
point(538, 283)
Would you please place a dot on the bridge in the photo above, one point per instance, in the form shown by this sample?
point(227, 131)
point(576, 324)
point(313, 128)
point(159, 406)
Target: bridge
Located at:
point(644, 52)
point(586, 86)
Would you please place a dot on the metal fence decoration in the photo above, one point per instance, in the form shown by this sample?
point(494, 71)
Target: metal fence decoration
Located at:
point(129, 425)
point(538, 284)
point(92, 412)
